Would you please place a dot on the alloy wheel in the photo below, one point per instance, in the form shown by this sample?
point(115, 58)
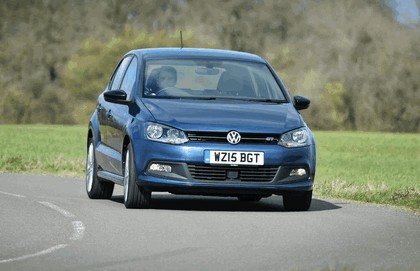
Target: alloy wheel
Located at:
point(89, 168)
point(126, 175)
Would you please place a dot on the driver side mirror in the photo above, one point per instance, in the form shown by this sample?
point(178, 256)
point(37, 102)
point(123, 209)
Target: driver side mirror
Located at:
point(301, 102)
point(116, 96)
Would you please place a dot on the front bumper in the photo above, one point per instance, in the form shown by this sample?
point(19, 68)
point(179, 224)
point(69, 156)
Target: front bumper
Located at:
point(272, 178)
point(228, 188)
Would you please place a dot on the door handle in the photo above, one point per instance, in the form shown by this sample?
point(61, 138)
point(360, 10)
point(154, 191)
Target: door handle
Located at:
point(98, 107)
point(109, 114)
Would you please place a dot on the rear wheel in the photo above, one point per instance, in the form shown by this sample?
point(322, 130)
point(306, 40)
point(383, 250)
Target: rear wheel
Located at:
point(134, 195)
point(297, 201)
point(95, 188)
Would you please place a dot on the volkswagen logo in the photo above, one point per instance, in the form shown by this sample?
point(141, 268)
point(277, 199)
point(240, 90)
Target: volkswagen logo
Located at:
point(233, 137)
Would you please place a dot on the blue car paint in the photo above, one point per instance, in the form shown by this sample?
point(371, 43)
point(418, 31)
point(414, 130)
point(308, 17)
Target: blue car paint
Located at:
point(198, 115)
point(271, 118)
point(203, 115)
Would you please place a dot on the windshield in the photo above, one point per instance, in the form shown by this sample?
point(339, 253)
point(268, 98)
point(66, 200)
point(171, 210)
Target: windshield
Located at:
point(210, 79)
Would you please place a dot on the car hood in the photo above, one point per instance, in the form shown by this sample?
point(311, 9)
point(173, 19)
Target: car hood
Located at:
point(221, 115)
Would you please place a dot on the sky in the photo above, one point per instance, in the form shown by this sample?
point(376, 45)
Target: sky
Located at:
point(405, 11)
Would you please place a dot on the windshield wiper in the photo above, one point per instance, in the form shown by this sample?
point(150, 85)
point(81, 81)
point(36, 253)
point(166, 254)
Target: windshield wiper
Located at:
point(271, 101)
point(264, 100)
point(198, 98)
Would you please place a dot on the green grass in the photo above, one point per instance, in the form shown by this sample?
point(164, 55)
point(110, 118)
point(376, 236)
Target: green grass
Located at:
point(371, 167)
point(43, 149)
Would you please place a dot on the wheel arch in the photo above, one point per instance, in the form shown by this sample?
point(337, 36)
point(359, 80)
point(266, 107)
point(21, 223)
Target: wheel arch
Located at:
point(126, 141)
point(89, 137)
point(93, 129)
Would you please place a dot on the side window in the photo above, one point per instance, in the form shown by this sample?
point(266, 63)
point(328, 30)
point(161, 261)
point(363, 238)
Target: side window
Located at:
point(116, 80)
point(130, 77)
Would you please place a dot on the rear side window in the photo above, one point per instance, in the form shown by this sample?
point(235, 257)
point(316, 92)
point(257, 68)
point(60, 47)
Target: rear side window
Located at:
point(119, 73)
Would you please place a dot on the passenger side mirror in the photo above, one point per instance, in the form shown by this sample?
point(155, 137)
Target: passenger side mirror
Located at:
point(116, 96)
point(301, 102)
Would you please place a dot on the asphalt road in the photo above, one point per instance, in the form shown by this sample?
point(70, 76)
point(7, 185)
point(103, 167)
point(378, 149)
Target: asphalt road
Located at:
point(48, 223)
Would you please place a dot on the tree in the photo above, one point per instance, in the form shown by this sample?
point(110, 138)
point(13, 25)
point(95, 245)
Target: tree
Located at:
point(88, 71)
point(356, 63)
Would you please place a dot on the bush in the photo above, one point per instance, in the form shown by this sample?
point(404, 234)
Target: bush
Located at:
point(87, 72)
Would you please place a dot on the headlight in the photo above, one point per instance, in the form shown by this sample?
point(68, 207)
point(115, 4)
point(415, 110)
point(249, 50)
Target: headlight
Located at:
point(165, 134)
point(296, 138)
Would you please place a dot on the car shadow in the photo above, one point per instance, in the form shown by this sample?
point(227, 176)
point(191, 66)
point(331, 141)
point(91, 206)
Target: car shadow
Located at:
point(163, 201)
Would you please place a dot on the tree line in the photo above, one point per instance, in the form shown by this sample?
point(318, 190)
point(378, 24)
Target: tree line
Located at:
point(357, 64)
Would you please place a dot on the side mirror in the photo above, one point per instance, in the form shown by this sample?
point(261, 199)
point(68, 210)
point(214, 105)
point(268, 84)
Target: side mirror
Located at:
point(116, 96)
point(301, 102)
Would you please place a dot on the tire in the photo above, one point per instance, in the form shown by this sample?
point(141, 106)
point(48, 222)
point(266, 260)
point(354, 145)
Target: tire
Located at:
point(95, 188)
point(249, 198)
point(297, 201)
point(134, 195)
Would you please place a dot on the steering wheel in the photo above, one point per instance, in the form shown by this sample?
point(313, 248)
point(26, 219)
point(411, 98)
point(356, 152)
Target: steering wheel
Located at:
point(161, 92)
point(172, 91)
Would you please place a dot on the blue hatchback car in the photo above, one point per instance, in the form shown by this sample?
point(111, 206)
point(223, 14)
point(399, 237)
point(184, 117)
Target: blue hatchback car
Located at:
point(201, 122)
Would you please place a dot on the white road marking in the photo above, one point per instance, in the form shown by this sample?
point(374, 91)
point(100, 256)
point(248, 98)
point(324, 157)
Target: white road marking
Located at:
point(78, 227)
point(14, 195)
point(78, 230)
point(40, 253)
point(58, 209)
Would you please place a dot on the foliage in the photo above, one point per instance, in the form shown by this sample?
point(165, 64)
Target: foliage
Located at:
point(334, 96)
point(370, 55)
point(88, 71)
point(356, 63)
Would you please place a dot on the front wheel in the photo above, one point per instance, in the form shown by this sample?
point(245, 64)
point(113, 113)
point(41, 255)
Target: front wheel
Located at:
point(134, 196)
point(95, 188)
point(297, 201)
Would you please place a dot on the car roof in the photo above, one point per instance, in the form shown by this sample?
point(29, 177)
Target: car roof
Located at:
point(195, 53)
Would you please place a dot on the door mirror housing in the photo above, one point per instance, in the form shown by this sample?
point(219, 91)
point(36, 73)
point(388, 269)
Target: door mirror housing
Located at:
point(117, 97)
point(301, 102)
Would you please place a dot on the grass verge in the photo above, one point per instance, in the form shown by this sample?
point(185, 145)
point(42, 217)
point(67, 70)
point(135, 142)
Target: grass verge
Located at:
point(378, 168)
point(43, 149)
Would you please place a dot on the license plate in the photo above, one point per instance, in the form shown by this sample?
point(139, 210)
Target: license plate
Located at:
point(234, 158)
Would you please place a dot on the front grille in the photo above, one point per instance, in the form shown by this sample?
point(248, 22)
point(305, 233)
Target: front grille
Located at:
point(221, 137)
point(223, 173)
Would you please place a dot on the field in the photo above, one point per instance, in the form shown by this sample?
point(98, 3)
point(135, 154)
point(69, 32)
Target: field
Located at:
point(43, 149)
point(370, 167)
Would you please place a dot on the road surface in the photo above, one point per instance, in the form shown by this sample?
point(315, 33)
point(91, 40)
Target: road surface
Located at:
point(48, 223)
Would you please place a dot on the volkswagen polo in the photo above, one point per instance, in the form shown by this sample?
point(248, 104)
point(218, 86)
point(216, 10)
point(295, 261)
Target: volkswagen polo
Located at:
point(199, 122)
